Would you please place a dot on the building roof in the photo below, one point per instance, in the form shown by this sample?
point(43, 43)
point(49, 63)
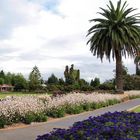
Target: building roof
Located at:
point(5, 85)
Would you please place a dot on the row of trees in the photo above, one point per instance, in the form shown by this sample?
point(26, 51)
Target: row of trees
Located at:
point(71, 82)
point(19, 82)
point(36, 83)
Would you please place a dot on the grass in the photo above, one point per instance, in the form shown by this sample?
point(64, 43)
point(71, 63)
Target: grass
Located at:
point(4, 94)
point(137, 109)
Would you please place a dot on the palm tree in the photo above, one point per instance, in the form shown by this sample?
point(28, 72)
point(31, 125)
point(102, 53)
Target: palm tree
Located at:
point(137, 62)
point(117, 34)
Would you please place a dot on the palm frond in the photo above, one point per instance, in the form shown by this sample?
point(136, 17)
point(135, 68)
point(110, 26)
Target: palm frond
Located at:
point(118, 30)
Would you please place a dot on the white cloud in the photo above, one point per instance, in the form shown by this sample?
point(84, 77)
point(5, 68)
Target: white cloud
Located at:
point(50, 34)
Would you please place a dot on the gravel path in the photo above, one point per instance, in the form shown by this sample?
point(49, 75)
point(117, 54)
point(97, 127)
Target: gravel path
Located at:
point(30, 132)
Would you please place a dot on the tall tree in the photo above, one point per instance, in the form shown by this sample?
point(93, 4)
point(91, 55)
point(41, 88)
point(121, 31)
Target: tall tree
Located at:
point(52, 79)
point(95, 82)
point(20, 82)
point(34, 79)
point(116, 34)
point(2, 74)
point(1, 81)
point(71, 75)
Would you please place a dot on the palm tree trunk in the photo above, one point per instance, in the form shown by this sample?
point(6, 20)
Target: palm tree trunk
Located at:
point(137, 69)
point(119, 73)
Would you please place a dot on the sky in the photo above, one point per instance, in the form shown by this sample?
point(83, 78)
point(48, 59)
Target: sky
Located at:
point(52, 34)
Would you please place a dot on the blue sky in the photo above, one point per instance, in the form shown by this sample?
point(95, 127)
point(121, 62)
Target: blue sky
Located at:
point(52, 34)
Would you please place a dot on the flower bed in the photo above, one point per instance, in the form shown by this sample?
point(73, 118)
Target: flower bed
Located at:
point(118, 125)
point(29, 109)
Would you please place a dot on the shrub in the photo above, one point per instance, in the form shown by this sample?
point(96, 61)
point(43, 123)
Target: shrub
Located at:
point(107, 86)
point(68, 88)
point(30, 117)
point(2, 122)
point(86, 106)
point(56, 112)
point(40, 117)
point(51, 88)
point(132, 82)
point(109, 126)
point(112, 102)
point(95, 83)
point(74, 109)
point(16, 118)
point(87, 88)
point(76, 86)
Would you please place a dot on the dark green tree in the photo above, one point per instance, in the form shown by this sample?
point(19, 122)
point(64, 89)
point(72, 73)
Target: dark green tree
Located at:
point(52, 79)
point(72, 75)
point(1, 81)
point(20, 83)
point(95, 82)
point(35, 79)
point(83, 82)
point(117, 34)
point(68, 77)
point(8, 78)
point(61, 81)
point(2, 74)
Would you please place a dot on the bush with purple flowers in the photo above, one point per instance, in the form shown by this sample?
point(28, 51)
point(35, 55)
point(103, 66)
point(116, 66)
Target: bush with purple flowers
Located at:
point(109, 126)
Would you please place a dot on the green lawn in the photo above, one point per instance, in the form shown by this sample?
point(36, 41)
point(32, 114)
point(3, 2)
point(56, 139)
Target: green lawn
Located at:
point(4, 94)
point(137, 109)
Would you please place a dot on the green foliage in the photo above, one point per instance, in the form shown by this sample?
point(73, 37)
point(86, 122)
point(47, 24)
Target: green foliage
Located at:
point(2, 122)
point(95, 82)
point(40, 117)
point(34, 117)
point(108, 85)
point(52, 79)
point(132, 82)
point(86, 106)
point(76, 86)
point(103, 104)
point(86, 88)
point(51, 88)
point(2, 74)
point(71, 75)
point(35, 79)
point(136, 109)
point(68, 88)
point(1, 81)
point(8, 78)
point(74, 109)
point(115, 31)
point(56, 112)
point(17, 80)
point(83, 82)
point(29, 118)
point(61, 81)
point(20, 82)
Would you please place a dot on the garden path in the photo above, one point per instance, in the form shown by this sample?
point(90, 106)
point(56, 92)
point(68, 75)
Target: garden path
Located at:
point(30, 132)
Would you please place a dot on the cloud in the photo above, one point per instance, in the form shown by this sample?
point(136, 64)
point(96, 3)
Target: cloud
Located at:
point(15, 13)
point(51, 34)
